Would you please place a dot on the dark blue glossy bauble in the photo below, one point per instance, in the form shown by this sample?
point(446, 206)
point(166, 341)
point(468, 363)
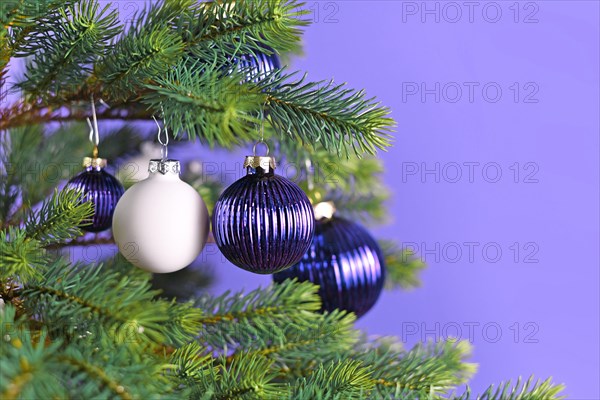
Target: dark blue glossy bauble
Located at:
point(346, 263)
point(257, 66)
point(263, 223)
point(103, 190)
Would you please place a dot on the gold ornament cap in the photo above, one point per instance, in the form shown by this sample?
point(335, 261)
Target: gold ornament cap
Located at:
point(94, 162)
point(324, 210)
point(266, 163)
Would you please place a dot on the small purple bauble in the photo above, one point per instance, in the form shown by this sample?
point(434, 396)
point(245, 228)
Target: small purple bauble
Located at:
point(346, 263)
point(263, 222)
point(102, 189)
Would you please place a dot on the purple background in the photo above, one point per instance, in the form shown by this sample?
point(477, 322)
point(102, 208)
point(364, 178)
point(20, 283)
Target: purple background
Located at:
point(545, 298)
point(531, 310)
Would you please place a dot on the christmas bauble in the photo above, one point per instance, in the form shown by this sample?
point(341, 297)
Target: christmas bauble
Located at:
point(263, 222)
point(161, 223)
point(259, 65)
point(100, 188)
point(346, 263)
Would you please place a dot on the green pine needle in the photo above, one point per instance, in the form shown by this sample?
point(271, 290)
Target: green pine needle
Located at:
point(61, 60)
point(341, 380)
point(109, 303)
point(521, 390)
point(342, 121)
point(59, 218)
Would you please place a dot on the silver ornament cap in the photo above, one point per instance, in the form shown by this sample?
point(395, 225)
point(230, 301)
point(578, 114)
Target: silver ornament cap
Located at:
point(164, 166)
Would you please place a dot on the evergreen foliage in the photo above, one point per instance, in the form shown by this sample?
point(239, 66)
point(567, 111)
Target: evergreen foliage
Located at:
point(100, 330)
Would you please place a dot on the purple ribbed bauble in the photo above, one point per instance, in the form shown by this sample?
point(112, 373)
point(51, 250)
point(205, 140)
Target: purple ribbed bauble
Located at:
point(263, 222)
point(346, 263)
point(101, 188)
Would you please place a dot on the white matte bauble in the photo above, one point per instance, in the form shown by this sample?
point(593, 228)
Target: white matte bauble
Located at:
point(161, 223)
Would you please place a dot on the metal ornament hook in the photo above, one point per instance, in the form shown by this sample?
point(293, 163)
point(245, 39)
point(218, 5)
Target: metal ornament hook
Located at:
point(165, 125)
point(261, 141)
point(94, 135)
point(164, 151)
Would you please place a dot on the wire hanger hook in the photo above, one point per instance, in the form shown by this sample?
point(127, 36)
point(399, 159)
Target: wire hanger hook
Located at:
point(262, 133)
point(164, 151)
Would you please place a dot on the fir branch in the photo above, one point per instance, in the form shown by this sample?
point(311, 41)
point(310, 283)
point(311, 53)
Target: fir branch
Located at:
point(38, 367)
point(135, 59)
point(280, 323)
point(426, 370)
point(341, 120)
point(367, 208)
point(110, 303)
point(272, 23)
point(23, 259)
point(246, 376)
point(150, 47)
point(301, 350)
point(94, 372)
point(342, 380)
point(81, 242)
point(69, 46)
point(58, 218)
point(28, 21)
point(528, 390)
point(258, 317)
point(57, 156)
point(191, 364)
point(23, 114)
point(27, 365)
point(21, 20)
point(402, 265)
point(198, 100)
point(34, 164)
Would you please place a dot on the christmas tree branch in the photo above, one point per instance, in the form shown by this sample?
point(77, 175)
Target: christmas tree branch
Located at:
point(343, 379)
point(33, 164)
point(275, 23)
point(341, 120)
point(24, 114)
point(97, 373)
point(28, 20)
point(38, 366)
point(22, 249)
point(80, 34)
point(246, 376)
point(96, 240)
point(521, 390)
point(426, 370)
point(216, 109)
point(59, 217)
point(258, 317)
point(23, 259)
point(70, 293)
point(137, 57)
